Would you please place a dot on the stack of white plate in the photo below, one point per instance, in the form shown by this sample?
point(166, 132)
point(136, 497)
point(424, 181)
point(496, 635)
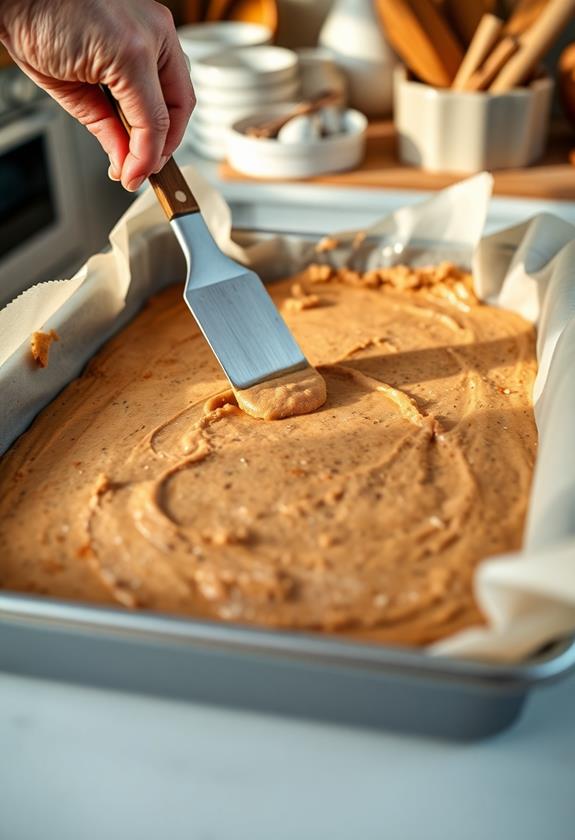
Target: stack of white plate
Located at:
point(201, 39)
point(234, 83)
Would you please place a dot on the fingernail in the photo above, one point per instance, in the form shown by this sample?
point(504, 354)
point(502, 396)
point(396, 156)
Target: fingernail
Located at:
point(112, 174)
point(134, 184)
point(115, 163)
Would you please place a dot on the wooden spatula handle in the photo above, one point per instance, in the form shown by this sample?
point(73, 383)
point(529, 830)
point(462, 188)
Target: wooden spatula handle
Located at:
point(169, 184)
point(173, 192)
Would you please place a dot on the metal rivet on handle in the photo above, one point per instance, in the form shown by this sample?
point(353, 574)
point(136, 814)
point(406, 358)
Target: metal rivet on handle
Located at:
point(181, 196)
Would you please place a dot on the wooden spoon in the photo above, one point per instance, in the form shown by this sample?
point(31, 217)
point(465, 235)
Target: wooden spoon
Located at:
point(272, 128)
point(422, 38)
point(466, 14)
point(249, 11)
point(524, 14)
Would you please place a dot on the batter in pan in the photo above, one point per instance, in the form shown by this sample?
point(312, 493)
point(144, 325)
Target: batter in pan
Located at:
point(145, 484)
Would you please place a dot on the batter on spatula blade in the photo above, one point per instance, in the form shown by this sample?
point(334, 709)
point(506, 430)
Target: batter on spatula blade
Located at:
point(299, 392)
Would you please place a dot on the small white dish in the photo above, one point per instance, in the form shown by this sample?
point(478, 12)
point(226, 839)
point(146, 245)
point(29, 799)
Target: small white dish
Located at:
point(450, 131)
point(246, 67)
point(220, 98)
point(201, 39)
point(263, 158)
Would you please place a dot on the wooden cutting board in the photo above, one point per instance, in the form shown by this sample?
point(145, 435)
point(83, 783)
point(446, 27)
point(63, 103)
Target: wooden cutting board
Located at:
point(551, 178)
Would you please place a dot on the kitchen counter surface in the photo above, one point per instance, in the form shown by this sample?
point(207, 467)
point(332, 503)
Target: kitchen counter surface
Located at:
point(78, 763)
point(321, 206)
point(551, 178)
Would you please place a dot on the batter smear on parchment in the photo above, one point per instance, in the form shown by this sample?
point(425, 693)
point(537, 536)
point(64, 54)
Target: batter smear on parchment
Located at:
point(144, 483)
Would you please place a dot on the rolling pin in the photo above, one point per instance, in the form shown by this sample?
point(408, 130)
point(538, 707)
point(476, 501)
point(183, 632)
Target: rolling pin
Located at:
point(534, 43)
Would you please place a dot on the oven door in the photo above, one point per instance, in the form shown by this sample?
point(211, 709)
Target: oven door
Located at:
point(40, 213)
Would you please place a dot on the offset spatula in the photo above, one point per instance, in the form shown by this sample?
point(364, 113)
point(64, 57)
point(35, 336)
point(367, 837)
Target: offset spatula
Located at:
point(231, 305)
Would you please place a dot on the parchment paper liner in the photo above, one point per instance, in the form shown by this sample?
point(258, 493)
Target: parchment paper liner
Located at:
point(528, 598)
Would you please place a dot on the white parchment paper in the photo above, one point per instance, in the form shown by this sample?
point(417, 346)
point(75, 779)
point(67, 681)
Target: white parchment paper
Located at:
point(528, 598)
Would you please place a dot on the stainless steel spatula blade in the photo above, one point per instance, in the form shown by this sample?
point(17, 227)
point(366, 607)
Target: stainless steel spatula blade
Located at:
point(233, 309)
point(231, 305)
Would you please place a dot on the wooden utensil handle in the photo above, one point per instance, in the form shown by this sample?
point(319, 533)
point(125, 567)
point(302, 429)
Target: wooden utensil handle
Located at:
point(524, 14)
point(482, 78)
point(534, 43)
point(271, 128)
point(169, 184)
point(485, 38)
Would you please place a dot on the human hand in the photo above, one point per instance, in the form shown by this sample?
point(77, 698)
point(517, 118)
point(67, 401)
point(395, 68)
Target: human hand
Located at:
point(69, 48)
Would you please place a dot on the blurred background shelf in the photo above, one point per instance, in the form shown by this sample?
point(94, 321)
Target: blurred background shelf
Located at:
point(552, 178)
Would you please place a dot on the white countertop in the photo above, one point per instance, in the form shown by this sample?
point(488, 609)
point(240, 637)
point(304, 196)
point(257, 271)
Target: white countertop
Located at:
point(80, 764)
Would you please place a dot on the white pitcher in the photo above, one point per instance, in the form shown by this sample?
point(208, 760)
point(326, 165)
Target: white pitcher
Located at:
point(354, 35)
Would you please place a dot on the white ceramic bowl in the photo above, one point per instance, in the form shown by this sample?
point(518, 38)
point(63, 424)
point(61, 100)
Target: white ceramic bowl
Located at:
point(447, 131)
point(252, 96)
point(201, 39)
point(245, 67)
point(272, 159)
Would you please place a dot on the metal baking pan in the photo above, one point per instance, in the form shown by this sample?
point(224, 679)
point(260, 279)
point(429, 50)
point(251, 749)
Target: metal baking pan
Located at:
point(304, 675)
point(301, 675)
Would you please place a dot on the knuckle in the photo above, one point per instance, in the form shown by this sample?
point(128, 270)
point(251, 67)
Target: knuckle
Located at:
point(160, 119)
point(164, 15)
point(138, 48)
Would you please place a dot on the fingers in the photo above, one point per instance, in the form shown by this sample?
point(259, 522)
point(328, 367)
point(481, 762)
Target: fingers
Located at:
point(147, 73)
point(140, 96)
